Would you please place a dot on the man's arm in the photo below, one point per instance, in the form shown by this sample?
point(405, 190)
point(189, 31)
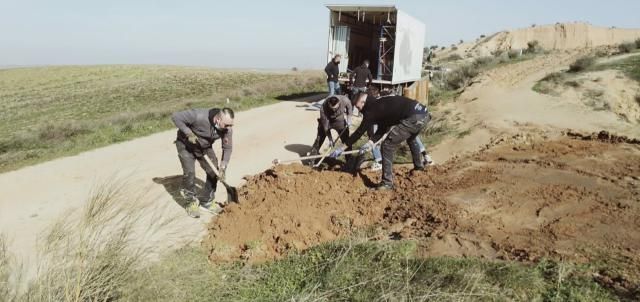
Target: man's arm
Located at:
point(370, 76)
point(327, 70)
point(364, 127)
point(183, 120)
point(324, 121)
point(227, 147)
point(348, 107)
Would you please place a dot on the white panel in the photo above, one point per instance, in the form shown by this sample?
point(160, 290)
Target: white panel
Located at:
point(407, 59)
point(338, 44)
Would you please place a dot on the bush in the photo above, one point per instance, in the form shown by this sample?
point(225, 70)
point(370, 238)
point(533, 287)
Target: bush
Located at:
point(582, 64)
point(482, 36)
point(627, 47)
point(533, 46)
point(453, 57)
point(638, 43)
point(513, 54)
point(462, 76)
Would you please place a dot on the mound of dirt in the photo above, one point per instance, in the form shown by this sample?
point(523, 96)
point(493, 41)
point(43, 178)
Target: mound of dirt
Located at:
point(576, 197)
point(561, 36)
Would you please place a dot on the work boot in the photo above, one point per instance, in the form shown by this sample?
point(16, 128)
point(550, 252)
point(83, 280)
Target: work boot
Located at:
point(193, 209)
point(384, 187)
point(211, 207)
point(376, 166)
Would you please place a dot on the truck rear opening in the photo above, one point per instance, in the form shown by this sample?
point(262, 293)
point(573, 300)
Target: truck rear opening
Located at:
point(390, 39)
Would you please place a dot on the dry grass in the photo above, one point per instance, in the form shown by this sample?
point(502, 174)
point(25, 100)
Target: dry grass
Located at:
point(91, 254)
point(50, 112)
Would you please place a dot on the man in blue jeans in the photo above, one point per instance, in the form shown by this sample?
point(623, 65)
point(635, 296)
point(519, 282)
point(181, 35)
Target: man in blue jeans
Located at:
point(332, 70)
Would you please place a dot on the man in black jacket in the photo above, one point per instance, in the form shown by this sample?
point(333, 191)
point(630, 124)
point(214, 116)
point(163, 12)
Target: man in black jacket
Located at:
point(403, 116)
point(361, 74)
point(332, 70)
point(198, 129)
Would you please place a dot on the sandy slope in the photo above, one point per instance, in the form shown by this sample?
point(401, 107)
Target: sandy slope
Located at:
point(560, 36)
point(502, 102)
point(33, 197)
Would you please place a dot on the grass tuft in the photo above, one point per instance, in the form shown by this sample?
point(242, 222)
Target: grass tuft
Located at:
point(582, 64)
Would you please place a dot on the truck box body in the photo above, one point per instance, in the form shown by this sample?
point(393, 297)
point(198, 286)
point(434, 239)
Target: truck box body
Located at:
point(390, 39)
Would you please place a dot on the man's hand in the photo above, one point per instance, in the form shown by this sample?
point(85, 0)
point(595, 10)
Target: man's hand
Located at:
point(337, 152)
point(366, 147)
point(222, 173)
point(192, 138)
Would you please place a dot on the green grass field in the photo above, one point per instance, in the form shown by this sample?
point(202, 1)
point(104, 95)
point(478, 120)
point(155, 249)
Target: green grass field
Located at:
point(49, 112)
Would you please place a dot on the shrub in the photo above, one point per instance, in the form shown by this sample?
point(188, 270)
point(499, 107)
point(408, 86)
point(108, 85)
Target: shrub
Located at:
point(533, 46)
point(484, 61)
point(638, 43)
point(574, 84)
point(555, 77)
point(454, 47)
point(462, 76)
point(461, 41)
point(582, 64)
point(627, 47)
point(482, 36)
point(443, 48)
point(513, 54)
point(453, 57)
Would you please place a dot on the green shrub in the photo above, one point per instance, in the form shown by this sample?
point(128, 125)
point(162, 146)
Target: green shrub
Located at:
point(462, 76)
point(627, 47)
point(582, 64)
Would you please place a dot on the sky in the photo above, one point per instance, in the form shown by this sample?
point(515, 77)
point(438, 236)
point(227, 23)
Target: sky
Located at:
point(250, 34)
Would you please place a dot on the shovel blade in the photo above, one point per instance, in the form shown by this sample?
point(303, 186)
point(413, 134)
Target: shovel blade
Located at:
point(232, 193)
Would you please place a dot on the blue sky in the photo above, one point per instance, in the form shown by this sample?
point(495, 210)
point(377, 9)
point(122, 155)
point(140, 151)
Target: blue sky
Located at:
point(249, 34)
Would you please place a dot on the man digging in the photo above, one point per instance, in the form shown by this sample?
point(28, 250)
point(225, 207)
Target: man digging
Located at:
point(335, 114)
point(405, 118)
point(198, 129)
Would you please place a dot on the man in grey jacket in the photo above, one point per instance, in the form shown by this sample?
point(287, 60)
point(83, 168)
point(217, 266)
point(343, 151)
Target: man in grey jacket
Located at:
point(198, 129)
point(335, 114)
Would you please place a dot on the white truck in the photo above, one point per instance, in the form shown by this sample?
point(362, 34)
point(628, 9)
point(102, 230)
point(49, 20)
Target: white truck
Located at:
point(389, 38)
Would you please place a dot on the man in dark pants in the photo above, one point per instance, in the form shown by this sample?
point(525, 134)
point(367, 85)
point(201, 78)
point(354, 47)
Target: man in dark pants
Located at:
point(361, 74)
point(335, 114)
point(332, 70)
point(198, 129)
point(404, 117)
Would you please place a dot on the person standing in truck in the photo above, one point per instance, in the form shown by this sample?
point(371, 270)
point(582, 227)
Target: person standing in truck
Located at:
point(332, 70)
point(361, 75)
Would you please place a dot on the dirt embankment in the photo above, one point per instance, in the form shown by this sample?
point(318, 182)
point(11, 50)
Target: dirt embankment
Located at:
point(521, 198)
point(559, 36)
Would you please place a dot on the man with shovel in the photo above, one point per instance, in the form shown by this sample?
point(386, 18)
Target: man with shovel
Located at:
point(198, 129)
point(402, 118)
point(335, 114)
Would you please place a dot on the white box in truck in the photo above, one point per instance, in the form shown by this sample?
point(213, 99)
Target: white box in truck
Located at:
point(389, 38)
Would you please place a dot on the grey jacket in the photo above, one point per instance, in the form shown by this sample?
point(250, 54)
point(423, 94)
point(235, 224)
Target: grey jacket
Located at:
point(329, 116)
point(199, 122)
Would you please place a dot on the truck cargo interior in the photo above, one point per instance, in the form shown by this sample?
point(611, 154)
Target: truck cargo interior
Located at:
point(360, 34)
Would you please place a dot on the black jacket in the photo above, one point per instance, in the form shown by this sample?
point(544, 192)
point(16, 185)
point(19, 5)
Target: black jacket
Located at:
point(385, 112)
point(332, 71)
point(361, 73)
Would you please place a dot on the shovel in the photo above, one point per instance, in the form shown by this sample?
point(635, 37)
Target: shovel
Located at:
point(232, 192)
point(333, 144)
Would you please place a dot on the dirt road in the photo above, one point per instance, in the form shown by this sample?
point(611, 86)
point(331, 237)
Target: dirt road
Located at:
point(33, 197)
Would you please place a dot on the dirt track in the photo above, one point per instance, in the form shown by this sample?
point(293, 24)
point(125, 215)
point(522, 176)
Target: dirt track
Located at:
point(33, 197)
point(523, 198)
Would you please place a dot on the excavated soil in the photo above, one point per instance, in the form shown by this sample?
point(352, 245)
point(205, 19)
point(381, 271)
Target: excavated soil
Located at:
point(575, 198)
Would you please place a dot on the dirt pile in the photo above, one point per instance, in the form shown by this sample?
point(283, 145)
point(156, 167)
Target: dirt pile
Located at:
point(521, 198)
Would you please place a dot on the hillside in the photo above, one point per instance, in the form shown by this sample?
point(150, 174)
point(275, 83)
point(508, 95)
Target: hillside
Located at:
point(560, 36)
